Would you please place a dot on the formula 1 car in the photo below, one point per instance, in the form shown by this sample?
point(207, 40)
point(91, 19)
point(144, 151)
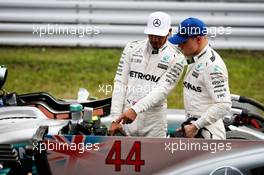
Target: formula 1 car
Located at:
point(27, 118)
point(26, 112)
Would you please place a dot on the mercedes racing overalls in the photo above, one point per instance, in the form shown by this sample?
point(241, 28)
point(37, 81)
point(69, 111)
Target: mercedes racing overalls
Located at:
point(143, 80)
point(206, 93)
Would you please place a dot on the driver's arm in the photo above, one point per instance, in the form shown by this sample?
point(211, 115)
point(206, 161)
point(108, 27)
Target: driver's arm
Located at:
point(120, 84)
point(216, 81)
point(166, 83)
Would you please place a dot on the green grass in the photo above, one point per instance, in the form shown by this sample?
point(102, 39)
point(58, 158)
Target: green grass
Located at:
point(61, 71)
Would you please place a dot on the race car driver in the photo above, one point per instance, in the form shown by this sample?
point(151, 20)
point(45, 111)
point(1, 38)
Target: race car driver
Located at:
point(148, 70)
point(206, 90)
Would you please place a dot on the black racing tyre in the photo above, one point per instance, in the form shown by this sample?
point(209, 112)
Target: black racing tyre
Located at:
point(240, 135)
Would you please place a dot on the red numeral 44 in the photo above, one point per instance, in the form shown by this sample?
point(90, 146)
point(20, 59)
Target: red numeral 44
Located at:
point(135, 152)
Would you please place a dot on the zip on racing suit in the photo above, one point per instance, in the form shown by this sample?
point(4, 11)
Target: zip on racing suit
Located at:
point(143, 80)
point(206, 92)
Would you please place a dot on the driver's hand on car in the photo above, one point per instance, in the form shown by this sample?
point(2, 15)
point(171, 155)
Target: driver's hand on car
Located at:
point(115, 127)
point(127, 117)
point(190, 131)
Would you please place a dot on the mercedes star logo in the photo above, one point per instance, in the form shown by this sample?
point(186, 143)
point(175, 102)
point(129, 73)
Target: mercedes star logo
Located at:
point(156, 22)
point(226, 170)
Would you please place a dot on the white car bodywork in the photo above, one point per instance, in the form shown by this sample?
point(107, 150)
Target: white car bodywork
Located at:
point(19, 123)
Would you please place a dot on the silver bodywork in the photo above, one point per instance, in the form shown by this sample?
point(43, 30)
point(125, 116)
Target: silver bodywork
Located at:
point(213, 166)
point(19, 123)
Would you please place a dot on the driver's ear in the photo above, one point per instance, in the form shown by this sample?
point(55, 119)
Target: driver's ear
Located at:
point(170, 32)
point(199, 39)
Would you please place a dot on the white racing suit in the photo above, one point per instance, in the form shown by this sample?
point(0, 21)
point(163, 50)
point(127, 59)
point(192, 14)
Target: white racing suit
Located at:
point(206, 93)
point(143, 80)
